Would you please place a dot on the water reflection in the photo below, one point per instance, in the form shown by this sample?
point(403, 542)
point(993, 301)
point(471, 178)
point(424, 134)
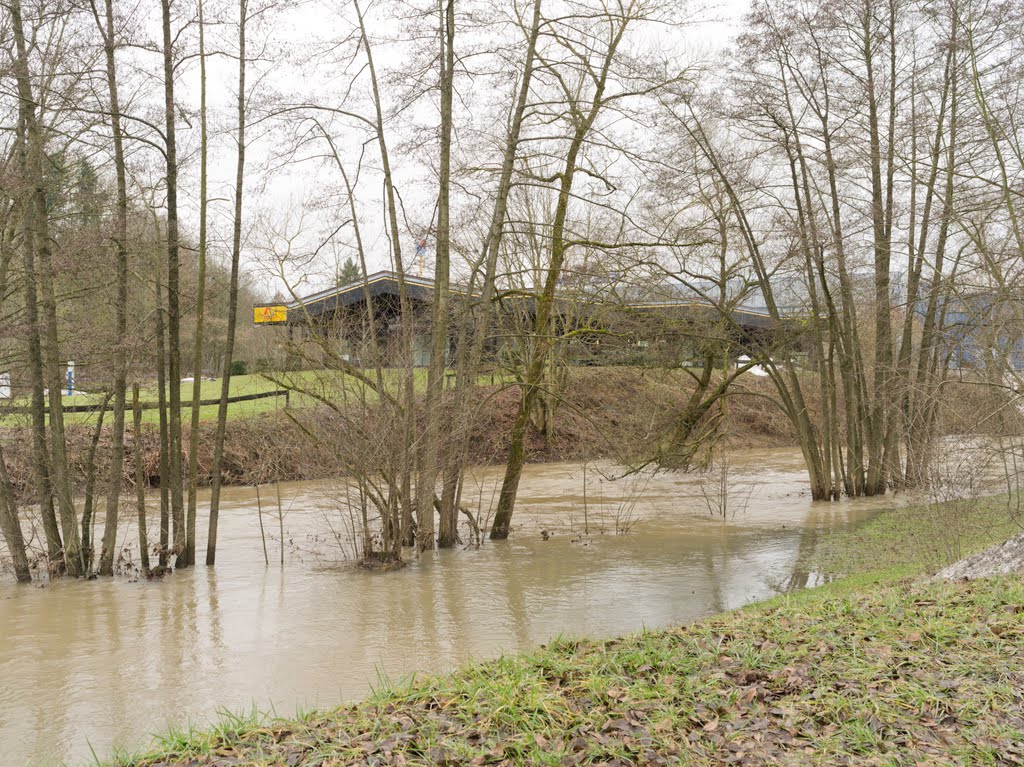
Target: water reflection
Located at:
point(109, 662)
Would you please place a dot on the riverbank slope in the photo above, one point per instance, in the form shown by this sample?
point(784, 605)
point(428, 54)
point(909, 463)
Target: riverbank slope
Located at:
point(621, 414)
point(615, 413)
point(878, 667)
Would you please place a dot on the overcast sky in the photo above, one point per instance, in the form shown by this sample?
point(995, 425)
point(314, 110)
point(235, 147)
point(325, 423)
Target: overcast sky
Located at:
point(285, 202)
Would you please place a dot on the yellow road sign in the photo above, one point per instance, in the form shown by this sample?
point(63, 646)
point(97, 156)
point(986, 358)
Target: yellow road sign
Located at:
point(270, 314)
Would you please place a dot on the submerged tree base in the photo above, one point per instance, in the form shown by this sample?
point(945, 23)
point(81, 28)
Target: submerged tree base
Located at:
point(381, 562)
point(855, 673)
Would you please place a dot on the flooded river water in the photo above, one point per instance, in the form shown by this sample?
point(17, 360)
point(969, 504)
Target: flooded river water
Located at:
point(95, 665)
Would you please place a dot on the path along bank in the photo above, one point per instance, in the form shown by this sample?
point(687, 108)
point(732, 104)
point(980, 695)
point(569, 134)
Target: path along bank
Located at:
point(879, 666)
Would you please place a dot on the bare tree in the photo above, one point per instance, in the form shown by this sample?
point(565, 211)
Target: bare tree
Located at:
point(808, 149)
point(236, 253)
point(44, 348)
point(429, 448)
point(480, 297)
point(189, 558)
point(583, 90)
point(173, 285)
point(120, 242)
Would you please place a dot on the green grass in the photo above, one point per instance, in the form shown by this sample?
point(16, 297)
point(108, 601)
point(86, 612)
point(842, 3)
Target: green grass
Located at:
point(307, 386)
point(876, 668)
point(898, 674)
point(240, 385)
point(918, 539)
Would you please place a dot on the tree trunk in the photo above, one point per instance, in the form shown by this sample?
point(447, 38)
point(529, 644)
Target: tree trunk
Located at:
point(197, 359)
point(173, 290)
point(88, 521)
point(120, 238)
point(161, 385)
point(140, 480)
point(236, 247)
point(40, 448)
point(881, 218)
point(41, 268)
point(429, 447)
point(10, 525)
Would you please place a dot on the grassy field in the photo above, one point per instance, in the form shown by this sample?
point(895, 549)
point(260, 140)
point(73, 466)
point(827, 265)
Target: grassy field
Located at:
point(878, 668)
point(330, 384)
point(240, 385)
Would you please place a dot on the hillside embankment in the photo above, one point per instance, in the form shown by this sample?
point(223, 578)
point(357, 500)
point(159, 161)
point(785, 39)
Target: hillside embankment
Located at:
point(614, 413)
point(601, 413)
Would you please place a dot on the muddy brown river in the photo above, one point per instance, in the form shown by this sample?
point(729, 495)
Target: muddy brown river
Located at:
point(106, 664)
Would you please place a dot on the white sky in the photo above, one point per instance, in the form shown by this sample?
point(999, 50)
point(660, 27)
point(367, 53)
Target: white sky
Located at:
point(287, 201)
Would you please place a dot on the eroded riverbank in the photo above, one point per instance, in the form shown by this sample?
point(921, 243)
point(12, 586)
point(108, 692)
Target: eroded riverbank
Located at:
point(110, 662)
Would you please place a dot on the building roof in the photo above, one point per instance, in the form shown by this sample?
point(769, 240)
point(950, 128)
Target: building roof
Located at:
point(383, 283)
point(421, 289)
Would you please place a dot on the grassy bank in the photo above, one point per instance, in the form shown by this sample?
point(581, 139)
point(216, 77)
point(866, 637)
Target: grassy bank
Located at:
point(332, 385)
point(604, 413)
point(876, 668)
point(619, 414)
point(918, 539)
point(896, 674)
